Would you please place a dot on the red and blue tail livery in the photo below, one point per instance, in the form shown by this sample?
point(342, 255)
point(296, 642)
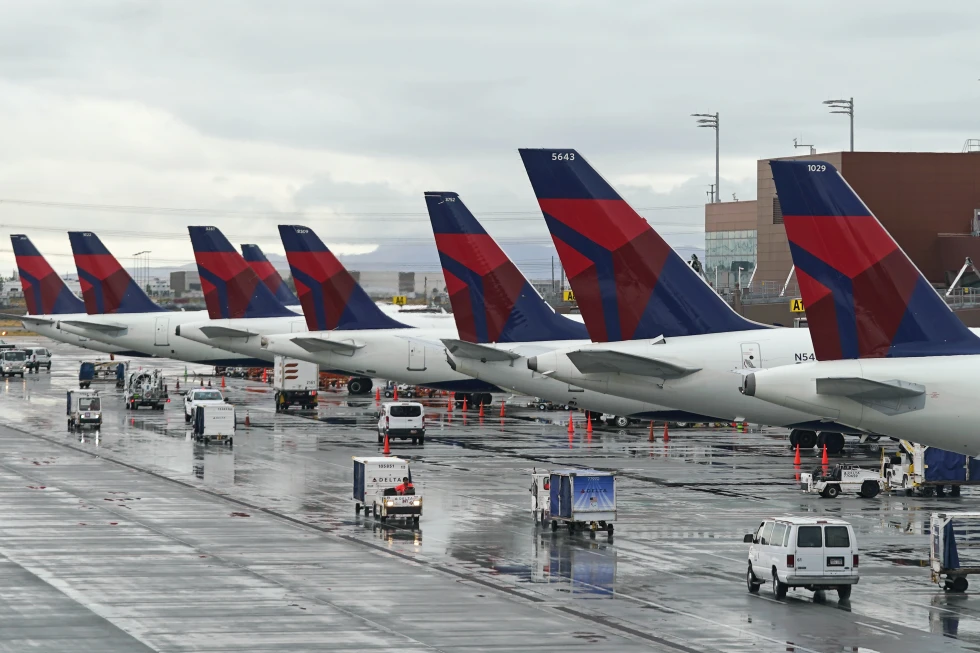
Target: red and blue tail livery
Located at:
point(231, 288)
point(864, 298)
point(106, 286)
point(629, 283)
point(44, 291)
point(330, 296)
point(492, 301)
point(268, 274)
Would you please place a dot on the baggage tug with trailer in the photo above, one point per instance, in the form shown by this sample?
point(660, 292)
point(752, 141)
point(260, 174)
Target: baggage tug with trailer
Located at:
point(375, 479)
point(583, 499)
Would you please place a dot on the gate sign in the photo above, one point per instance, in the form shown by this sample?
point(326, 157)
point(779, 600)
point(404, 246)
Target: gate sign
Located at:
point(796, 306)
point(399, 300)
point(568, 296)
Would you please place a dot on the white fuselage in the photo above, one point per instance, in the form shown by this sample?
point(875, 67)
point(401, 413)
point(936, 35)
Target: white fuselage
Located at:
point(50, 330)
point(153, 335)
point(413, 356)
point(516, 375)
point(946, 416)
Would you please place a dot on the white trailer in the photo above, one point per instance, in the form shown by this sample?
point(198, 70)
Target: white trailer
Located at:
point(375, 480)
point(954, 548)
point(296, 383)
point(843, 479)
point(925, 471)
point(214, 423)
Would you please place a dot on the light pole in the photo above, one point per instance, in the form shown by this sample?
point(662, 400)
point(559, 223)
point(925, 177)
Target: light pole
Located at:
point(710, 120)
point(847, 108)
point(136, 267)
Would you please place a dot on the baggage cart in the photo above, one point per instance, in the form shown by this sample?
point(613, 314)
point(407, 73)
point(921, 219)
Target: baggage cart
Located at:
point(375, 479)
point(583, 499)
point(954, 548)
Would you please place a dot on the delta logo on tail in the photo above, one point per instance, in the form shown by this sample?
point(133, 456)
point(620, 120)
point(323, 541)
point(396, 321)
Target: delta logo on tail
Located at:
point(864, 297)
point(330, 296)
point(106, 286)
point(44, 291)
point(629, 283)
point(232, 289)
point(268, 274)
point(492, 300)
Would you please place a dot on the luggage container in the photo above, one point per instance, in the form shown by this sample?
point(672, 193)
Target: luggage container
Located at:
point(954, 548)
point(375, 479)
point(925, 471)
point(214, 423)
point(583, 499)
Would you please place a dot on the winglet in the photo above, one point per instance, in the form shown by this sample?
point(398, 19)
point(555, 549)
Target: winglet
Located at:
point(628, 282)
point(492, 300)
point(106, 286)
point(270, 276)
point(232, 289)
point(44, 291)
point(864, 297)
point(330, 296)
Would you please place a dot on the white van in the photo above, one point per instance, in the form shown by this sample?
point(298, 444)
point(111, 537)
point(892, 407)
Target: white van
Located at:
point(38, 357)
point(809, 552)
point(401, 419)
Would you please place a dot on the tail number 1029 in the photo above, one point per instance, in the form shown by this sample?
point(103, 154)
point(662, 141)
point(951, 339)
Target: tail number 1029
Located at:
point(819, 167)
point(563, 156)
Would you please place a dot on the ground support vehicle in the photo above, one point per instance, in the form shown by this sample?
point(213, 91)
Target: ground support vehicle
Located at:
point(38, 357)
point(954, 548)
point(843, 479)
point(401, 419)
point(925, 471)
point(214, 423)
point(583, 499)
point(145, 389)
point(200, 397)
point(13, 362)
point(809, 552)
point(375, 480)
point(103, 372)
point(84, 410)
point(540, 496)
point(295, 383)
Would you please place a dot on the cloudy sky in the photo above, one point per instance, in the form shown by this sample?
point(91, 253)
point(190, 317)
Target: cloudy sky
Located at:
point(338, 115)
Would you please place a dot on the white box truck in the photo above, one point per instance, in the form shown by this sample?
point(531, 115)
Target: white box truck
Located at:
point(296, 383)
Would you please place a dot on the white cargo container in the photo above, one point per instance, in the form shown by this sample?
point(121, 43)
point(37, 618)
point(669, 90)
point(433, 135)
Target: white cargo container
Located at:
point(296, 383)
point(214, 423)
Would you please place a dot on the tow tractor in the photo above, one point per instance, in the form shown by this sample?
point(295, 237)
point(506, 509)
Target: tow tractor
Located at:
point(849, 479)
point(375, 479)
point(145, 389)
point(540, 496)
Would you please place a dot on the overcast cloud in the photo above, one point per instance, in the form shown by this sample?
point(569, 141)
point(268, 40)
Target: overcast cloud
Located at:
point(339, 115)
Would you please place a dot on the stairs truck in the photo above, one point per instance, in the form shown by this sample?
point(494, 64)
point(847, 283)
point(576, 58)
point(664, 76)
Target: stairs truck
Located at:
point(296, 383)
point(925, 471)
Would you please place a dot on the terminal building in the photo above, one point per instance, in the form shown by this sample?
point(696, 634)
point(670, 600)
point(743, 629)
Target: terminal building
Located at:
point(929, 202)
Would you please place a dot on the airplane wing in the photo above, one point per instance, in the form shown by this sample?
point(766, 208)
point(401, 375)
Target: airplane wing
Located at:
point(36, 319)
point(314, 345)
point(857, 388)
point(104, 327)
point(226, 332)
point(472, 350)
point(606, 361)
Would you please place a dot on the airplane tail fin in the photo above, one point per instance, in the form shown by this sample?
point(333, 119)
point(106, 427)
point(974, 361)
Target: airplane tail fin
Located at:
point(106, 286)
point(330, 296)
point(44, 291)
point(629, 283)
point(231, 288)
point(492, 300)
point(269, 275)
point(864, 297)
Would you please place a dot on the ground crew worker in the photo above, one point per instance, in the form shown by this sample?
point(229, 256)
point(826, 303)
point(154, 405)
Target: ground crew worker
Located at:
point(405, 486)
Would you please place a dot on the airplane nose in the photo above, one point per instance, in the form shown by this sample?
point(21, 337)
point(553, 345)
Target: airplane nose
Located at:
point(748, 385)
point(532, 363)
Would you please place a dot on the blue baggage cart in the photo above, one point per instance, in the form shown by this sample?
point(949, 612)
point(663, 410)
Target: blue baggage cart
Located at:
point(583, 499)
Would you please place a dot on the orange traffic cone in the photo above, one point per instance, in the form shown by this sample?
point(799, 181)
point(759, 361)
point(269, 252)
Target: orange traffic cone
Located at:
point(666, 435)
point(248, 422)
point(451, 403)
point(588, 422)
point(502, 404)
point(824, 460)
point(377, 395)
point(796, 459)
point(651, 438)
point(571, 424)
point(395, 394)
point(222, 382)
point(387, 449)
point(464, 403)
point(481, 409)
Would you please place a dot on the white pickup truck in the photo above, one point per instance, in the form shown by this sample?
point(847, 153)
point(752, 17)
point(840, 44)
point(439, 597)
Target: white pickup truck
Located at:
point(200, 397)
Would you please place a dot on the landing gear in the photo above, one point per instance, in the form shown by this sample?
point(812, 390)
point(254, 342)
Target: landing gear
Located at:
point(834, 442)
point(806, 439)
point(359, 385)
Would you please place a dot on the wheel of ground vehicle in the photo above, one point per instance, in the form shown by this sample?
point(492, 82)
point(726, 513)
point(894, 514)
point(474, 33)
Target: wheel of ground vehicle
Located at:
point(843, 592)
point(421, 439)
point(48, 367)
point(778, 587)
point(806, 439)
point(869, 489)
point(542, 407)
point(388, 394)
point(126, 405)
point(954, 491)
point(621, 421)
point(231, 442)
point(571, 527)
point(70, 429)
point(187, 417)
point(959, 584)
point(384, 518)
point(554, 525)
point(357, 508)
point(751, 581)
point(415, 522)
point(927, 491)
point(832, 491)
point(591, 534)
point(207, 441)
point(940, 491)
point(22, 375)
point(609, 529)
point(415, 440)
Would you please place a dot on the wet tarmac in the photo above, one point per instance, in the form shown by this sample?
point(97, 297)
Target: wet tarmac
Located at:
point(139, 539)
